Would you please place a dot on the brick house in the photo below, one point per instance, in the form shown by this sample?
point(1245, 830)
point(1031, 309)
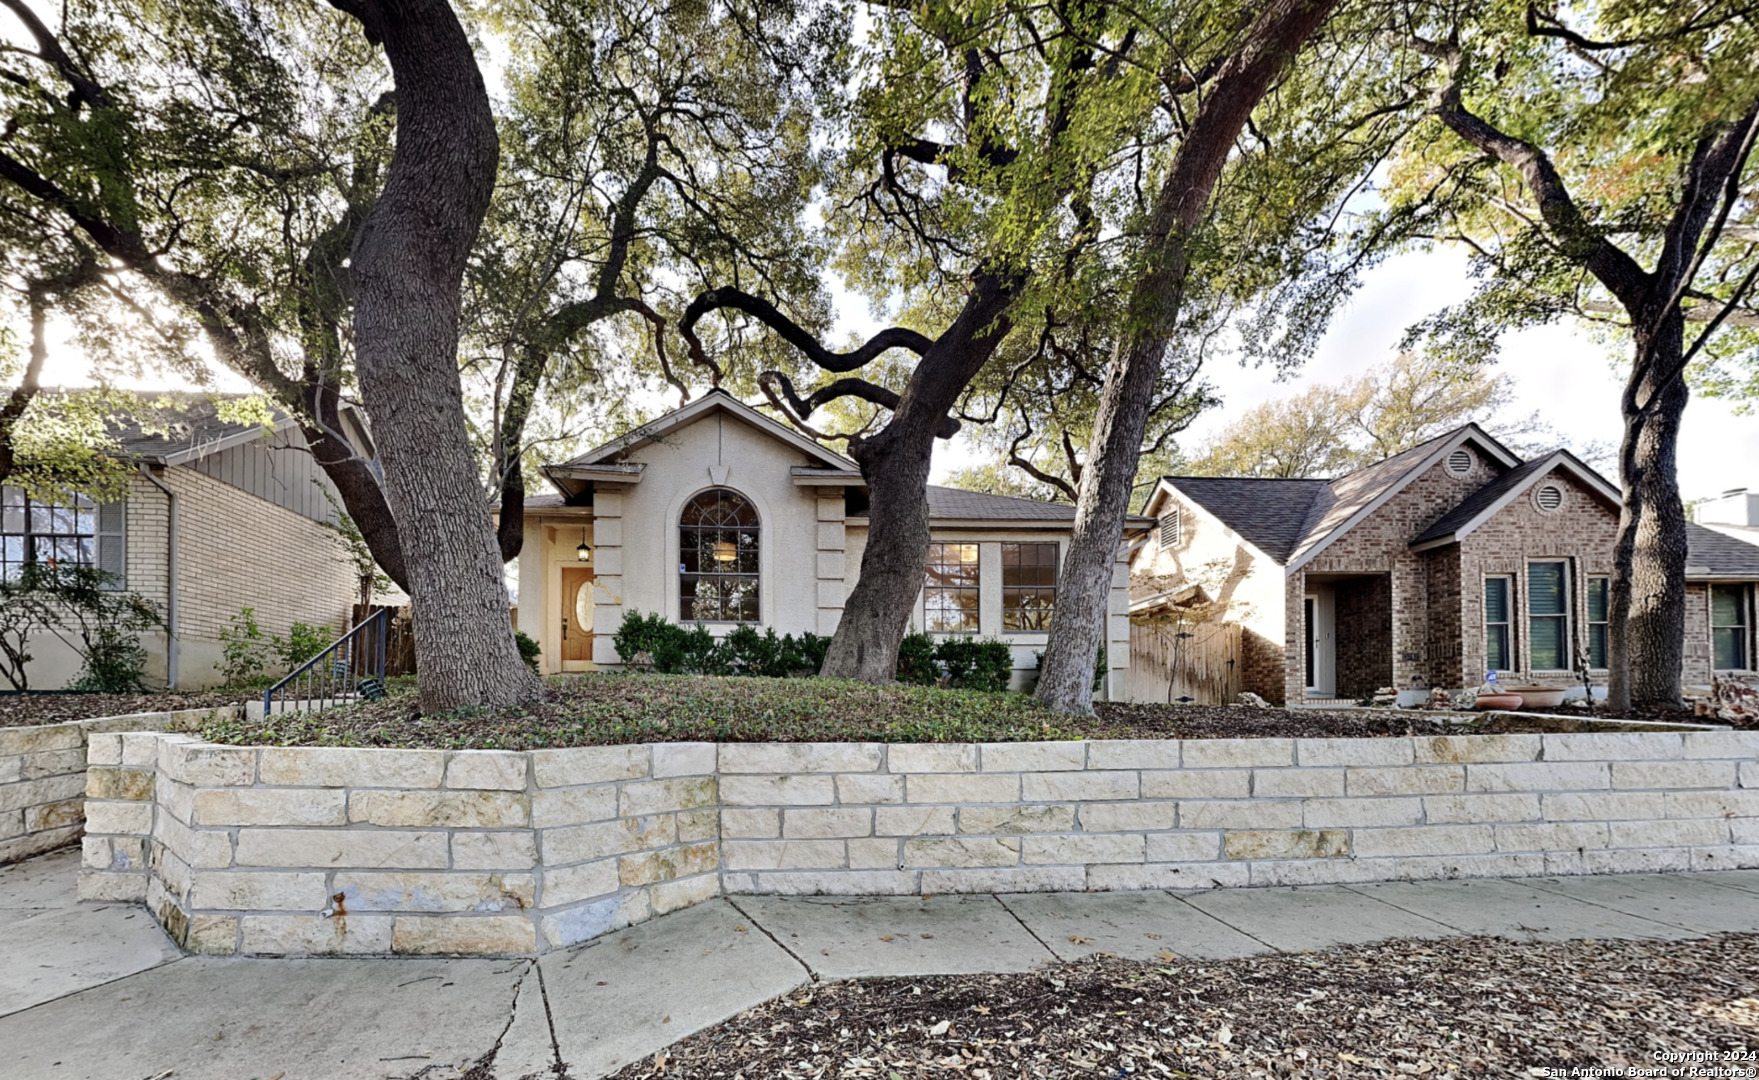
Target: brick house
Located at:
point(219, 516)
point(1428, 569)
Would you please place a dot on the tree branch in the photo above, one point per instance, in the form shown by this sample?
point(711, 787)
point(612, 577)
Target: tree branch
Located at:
point(896, 337)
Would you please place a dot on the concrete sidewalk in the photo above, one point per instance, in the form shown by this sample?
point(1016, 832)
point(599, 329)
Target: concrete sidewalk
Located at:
point(96, 991)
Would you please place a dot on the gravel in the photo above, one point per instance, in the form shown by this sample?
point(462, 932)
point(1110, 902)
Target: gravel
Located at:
point(18, 710)
point(1466, 1007)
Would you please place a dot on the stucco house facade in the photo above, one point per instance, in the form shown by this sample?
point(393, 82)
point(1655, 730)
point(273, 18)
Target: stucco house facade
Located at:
point(1430, 568)
point(218, 515)
point(718, 514)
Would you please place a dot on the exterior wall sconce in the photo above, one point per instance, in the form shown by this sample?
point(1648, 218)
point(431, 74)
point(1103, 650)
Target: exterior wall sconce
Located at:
point(583, 553)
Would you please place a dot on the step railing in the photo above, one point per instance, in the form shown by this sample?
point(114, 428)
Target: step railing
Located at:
point(352, 668)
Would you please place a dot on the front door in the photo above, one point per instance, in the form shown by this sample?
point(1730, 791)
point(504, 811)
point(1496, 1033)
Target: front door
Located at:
point(576, 619)
point(1320, 615)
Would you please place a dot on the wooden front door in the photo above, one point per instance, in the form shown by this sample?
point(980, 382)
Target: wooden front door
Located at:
point(576, 617)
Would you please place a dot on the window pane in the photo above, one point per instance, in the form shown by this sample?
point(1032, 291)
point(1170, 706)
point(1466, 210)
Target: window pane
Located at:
point(1726, 606)
point(718, 558)
point(1496, 648)
point(1496, 600)
point(1729, 643)
point(1548, 644)
point(1597, 645)
point(1545, 588)
point(1597, 599)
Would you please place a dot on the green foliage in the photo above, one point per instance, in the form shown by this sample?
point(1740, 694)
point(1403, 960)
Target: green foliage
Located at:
point(301, 643)
point(529, 649)
point(81, 606)
point(985, 664)
point(115, 663)
point(244, 649)
point(916, 664)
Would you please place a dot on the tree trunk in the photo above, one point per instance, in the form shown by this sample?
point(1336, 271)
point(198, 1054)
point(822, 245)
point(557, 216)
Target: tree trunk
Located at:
point(1646, 620)
point(1078, 620)
point(407, 266)
point(895, 463)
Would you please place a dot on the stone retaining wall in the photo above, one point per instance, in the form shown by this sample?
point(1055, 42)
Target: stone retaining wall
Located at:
point(287, 851)
point(42, 777)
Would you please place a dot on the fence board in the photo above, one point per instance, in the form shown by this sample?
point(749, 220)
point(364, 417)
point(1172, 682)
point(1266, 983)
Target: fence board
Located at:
point(1170, 661)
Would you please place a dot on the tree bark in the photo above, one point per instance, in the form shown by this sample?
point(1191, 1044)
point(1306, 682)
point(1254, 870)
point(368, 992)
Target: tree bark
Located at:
point(407, 267)
point(1078, 620)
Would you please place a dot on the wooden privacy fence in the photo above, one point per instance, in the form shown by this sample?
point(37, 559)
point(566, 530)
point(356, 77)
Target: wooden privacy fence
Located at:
point(1171, 661)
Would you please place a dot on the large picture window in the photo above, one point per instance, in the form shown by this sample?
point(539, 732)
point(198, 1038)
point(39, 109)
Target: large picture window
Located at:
point(1548, 616)
point(1599, 603)
point(949, 594)
point(1498, 628)
point(36, 531)
point(1029, 585)
point(717, 558)
point(1731, 627)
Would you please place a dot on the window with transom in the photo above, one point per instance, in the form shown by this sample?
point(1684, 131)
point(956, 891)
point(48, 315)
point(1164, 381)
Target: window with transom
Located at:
point(718, 558)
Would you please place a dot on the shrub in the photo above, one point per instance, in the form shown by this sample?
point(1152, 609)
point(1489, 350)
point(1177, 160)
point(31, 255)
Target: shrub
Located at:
point(115, 663)
point(751, 653)
point(108, 623)
point(643, 638)
point(302, 643)
point(244, 649)
point(985, 664)
point(529, 649)
point(916, 660)
point(812, 652)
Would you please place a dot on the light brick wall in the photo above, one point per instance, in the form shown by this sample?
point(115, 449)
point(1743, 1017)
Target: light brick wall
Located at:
point(302, 851)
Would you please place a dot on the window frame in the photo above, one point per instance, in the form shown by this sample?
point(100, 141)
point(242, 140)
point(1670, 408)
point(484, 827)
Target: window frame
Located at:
point(1507, 624)
point(1590, 623)
point(1018, 589)
point(29, 537)
point(1744, 628)
point(932, 587)
point(686, 592)
point(1566, 632)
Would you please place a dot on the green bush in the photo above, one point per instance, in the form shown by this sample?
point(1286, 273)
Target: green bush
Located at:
point(985, 664)
point(642, 639)
point(529, 649)
point(812, 651)
point(115, 663)
point(302, 643)
point(916, 660)
point(244, 649)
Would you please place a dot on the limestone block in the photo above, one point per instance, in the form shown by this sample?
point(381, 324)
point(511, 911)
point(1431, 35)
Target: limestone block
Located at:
point(1676, 832)
point(1237, 753)
point(1134, 754)
point(1183, 846)
point(751, 824)
point(1352, 813)
point(270, 806)
point(446, 892)
point(1464, 749)
point(119, 817)
point(1673, 774)
point(1732, 857)
point(1297, 783)
point(1141, 816)
point(826, 883)
point(820, 790)
point(1429, 867)
point(659, 796)
point(341, 766)
point(573, 806)
point(953, 788)
point(684, 892)
point(1561, 836)
point(12, 769)
point(12, 821)
point(1424, 840)
point(1286, 844)
point(696, 825)
point(1082, 848)
point(908, 820)
point(587, 921)
point(1475, 809)
point(1689, 804)
point(1018, 818)
point(1409, 780)
point(962, 851)
point(1635, 860)
point(141, 748)
point(1750, 774)
point(683, 759)
point(212, 935)
point(783, 854)
point(869, 788)
point(1273, 872)
point(1033, 756)
point(1743, 830)
point(494, 850)
point(233, 890)
point(1604, 805)
point(1193, 875)
point(1742, 745)
point(1539, 776)
point(199, 847)
point(445, 809)
point(104, 748)
point(932, 757)
point(315, 935)
point(1617, 746)
point(602, 839)
point(589, 765)
point(874, 853)
point(1358, 752)
point(55, 815)
point(837, 823)
point(800, 757)
point(1010, 880)
point(647, 867)
point(207, 765)
point(352, 848)
point(1079, 787)
point(1197, 784)
point(1244, 814)
point(134, 785)
point(30, 740)
point(115, 888)
point(489, 770)
point(464, 935)
point(50, 763)
point(173, 798)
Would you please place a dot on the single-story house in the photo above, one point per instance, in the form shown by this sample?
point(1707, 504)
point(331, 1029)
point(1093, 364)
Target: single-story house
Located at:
point(717, 514)
point(219, 515)
point(1432, 568)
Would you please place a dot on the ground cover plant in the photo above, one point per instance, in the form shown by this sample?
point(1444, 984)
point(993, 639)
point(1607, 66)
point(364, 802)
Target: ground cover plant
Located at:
point(24, 710)
point(1468, 1007)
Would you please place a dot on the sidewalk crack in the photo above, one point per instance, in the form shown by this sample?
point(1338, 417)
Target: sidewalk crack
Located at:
point(798, 959)
point(1047, 947)
point(1212, 915)
point(558, 1066)
point(484, 1068)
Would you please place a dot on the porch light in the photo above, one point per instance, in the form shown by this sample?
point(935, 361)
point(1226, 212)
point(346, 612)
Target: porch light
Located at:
point(583, 553)
point(725, 551)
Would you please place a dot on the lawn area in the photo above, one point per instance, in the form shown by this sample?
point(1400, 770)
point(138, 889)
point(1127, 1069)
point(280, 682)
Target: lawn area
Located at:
point(1467, 1007)
point(592, 710)
point(18, 710)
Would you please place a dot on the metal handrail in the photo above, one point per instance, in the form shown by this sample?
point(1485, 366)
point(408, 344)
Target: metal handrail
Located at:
point(348, 668)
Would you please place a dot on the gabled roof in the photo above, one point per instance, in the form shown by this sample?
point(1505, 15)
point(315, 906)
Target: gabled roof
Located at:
point(1269, 514)
point(1487, 501)
point(715, 399)
point(1715, 555)
point(174, 427)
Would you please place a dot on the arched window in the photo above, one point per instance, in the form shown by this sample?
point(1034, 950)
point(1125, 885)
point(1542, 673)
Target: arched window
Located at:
point(717, 558)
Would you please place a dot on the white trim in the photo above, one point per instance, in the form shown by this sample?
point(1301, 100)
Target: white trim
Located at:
point(239, 438)
point(1551, 463)
point(714, 399)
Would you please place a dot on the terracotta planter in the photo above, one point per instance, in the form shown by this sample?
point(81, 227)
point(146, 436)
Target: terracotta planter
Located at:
point(1498, 701)
point(1538, 697)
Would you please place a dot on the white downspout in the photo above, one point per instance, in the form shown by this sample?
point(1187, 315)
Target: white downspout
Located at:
point(170, 577)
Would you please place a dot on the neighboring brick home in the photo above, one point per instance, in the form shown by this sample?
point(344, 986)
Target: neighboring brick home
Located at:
point(219, 516)
point(1428, 569)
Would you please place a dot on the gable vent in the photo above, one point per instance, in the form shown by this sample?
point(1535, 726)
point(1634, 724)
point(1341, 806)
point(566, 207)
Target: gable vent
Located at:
point(1460, 462)
point(1172, 528)
point(1548, 497)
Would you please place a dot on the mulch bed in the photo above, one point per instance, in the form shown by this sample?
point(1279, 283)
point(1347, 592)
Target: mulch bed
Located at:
point(591, 710)
point(20, 710)
point(1466, 1007)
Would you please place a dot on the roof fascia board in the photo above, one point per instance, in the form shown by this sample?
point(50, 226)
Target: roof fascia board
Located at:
point(687, 414)
point(1551, 463)
point(207, 449)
